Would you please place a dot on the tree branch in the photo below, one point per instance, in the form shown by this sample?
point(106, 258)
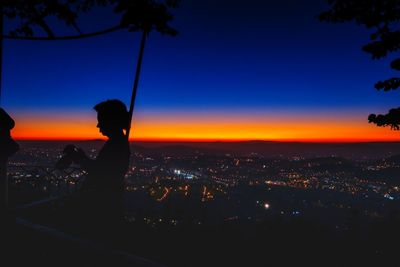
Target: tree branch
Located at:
point(42, 23)
point(69, 37)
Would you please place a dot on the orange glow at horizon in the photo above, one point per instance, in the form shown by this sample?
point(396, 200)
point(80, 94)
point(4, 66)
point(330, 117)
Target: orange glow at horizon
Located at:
point(207, 128)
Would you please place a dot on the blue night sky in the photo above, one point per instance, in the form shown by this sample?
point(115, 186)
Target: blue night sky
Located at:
point(230, 56)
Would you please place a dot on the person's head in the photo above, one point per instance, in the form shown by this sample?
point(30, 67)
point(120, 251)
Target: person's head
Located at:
point(112, 117)
point(6, 122)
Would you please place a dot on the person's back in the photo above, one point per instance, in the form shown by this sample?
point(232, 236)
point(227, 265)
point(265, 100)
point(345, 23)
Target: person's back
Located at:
point(110, 166)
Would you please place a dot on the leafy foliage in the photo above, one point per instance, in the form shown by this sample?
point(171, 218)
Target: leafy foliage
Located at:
point(387, 85)
point(146, 15)
point(391, 119)
point(383, 18)
point(135, 15)
point(34, 13)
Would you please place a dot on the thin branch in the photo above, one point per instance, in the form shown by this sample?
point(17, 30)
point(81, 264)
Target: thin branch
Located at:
point(77, 28)
point(42, 23)
point(70, 37)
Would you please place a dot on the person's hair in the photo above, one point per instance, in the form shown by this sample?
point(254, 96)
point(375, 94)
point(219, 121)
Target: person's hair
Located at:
point(6, 122)
point(114, 112)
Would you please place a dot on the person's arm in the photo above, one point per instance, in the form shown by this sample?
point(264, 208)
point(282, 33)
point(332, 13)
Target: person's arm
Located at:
point(79, 157)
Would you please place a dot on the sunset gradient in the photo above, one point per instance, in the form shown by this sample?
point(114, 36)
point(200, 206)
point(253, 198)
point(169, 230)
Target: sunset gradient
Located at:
point(208, 127)
point(267, 70)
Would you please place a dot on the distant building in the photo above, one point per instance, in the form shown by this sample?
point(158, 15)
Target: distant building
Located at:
point(184, 174)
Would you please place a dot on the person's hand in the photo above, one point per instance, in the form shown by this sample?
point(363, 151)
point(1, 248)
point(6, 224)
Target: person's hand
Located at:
point(78, 155)
point(66, 159)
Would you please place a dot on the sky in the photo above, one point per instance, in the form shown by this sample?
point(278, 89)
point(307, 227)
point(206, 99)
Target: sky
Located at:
point(238, 70)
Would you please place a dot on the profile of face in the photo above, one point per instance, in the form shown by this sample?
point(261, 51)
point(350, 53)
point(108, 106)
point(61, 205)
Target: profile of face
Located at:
point(106, 127)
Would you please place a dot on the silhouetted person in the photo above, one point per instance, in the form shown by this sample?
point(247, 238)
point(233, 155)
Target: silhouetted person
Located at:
point(103, 185)
point(8, 147)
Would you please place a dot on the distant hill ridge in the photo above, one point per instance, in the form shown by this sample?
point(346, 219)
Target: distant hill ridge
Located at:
point(369, 150)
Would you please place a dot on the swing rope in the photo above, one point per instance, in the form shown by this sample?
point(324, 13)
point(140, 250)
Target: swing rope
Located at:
point(136, 82)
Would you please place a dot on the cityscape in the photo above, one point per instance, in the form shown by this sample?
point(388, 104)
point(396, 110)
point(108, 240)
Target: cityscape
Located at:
point(194, 189)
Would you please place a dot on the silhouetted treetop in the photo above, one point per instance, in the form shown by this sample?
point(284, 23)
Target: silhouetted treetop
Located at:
point(371, 13)
point(382, 17)
point(28, 16)
point(379, 15)
point(31, 14)
point(146, 15)
point(391, 119)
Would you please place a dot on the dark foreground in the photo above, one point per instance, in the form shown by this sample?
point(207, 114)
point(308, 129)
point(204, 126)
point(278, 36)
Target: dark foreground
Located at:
point(239, 243)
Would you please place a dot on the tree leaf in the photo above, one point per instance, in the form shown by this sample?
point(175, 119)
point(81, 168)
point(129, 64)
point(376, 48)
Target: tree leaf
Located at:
point(388, 85)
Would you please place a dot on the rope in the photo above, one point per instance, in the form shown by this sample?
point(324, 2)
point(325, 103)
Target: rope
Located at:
point(136, 82)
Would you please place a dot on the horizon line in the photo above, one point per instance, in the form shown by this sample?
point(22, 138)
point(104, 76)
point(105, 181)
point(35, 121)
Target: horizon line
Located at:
point(199, 140)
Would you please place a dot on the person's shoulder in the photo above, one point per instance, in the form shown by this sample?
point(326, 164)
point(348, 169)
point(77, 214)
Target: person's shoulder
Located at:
point(118, 143)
